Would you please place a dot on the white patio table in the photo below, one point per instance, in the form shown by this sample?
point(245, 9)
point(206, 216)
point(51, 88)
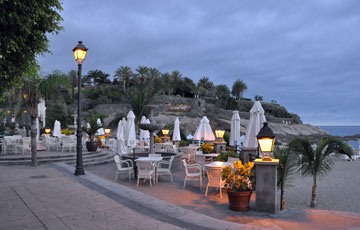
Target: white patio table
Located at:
point(219, 164)
point(155, 160)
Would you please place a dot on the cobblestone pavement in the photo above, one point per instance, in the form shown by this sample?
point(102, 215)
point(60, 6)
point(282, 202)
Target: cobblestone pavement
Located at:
point(46, 198)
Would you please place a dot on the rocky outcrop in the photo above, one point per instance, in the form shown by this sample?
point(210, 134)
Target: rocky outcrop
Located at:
point(283, 132)
point(165, 109)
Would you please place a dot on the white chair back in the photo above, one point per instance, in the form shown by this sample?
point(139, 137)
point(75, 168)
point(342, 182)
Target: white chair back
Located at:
point(214, 177)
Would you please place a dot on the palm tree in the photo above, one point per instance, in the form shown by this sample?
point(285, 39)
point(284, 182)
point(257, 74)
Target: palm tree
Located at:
point(34, 87)
point(238, 89)
point(205, 86)
point(125, 73)
point(99, 77)
point(286, 168)
point(318, 161)
point(143, 73)
point(166, 84)
point(154, 74)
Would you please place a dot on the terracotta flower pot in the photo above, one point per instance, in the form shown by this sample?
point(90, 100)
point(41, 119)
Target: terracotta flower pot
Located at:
point(239, 201)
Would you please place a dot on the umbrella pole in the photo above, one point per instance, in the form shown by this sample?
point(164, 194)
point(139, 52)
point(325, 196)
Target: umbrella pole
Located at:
point(135, 171)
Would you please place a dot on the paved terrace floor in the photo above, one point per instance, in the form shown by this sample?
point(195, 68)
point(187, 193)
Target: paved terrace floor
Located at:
point(50, 197)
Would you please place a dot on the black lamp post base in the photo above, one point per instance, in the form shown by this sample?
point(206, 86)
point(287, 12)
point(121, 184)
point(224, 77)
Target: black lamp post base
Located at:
point(79, 172)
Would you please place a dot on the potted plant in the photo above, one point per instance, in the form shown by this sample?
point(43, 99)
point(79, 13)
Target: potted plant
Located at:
point(238, 184)
point(207, 147)
point(92, 144)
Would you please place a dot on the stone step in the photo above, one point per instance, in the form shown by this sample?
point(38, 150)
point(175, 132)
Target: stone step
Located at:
point(28, 156)
point(70, 159)
point(96, 161)
point(92, 159)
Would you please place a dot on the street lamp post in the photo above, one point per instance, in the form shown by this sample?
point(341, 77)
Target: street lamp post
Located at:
point(26, 123)
point(79, 53)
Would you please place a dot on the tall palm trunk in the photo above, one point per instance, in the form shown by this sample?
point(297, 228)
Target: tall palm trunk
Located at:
point(313, 195)
point(34, 114)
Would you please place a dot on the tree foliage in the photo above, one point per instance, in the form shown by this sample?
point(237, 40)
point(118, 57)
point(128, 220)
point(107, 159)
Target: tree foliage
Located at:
point(24, 26)
point(34, 87)
point(124, 74)
point(238, 89)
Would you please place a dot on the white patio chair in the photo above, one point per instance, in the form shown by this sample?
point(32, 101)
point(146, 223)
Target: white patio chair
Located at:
point(3, 146)
point(145, 170)
point(232, 159)
point(192, 172)
point(10, 145)
point(215, 179)
point(164, 168)
point(120, 166)
point(192, 156)
point(68, 142)
point(24, 145)
point(51, 142)
point(200, 160)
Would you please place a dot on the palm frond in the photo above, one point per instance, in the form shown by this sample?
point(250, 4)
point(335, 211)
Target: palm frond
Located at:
point(287, 160)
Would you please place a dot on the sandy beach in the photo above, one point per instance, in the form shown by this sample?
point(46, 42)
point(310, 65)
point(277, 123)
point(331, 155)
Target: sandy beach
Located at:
point(338, 190)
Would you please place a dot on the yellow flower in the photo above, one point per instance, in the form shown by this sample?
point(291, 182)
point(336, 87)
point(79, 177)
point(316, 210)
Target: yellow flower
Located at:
point(158, 140)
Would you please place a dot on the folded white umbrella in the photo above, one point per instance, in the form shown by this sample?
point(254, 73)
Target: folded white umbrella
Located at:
point(120, 136)
point(235, 129)
point(130, 129)
point(176, 133)
point(100, 132)
point(144, 134)
point(204, 131)
point(57, 129)
point(42, 112)
point(257, 118)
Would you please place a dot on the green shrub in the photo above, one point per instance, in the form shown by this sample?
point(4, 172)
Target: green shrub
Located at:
point(183, 143)
point(225, 155)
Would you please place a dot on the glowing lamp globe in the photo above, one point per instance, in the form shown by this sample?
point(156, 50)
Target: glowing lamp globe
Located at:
point(165, 132)
point(266, 140)
point(219, 134)
point(107, 131)
point(80, 52)
point(47, 131)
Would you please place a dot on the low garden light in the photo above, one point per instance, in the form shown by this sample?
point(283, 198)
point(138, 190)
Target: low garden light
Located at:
point(25, 111)
point(107, 132)
point(9, 111)
point(47, 131)
point(26, 96)
point(266, 140)
point(219, 134)
point(165, 132)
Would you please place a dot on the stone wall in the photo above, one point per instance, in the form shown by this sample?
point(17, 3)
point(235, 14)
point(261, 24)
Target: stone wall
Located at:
point(112, 109)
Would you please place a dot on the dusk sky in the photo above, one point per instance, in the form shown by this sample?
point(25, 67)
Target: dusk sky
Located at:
point(303, 54)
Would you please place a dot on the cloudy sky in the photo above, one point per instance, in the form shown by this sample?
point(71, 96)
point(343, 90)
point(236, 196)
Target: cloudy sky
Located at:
point(303, 54)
